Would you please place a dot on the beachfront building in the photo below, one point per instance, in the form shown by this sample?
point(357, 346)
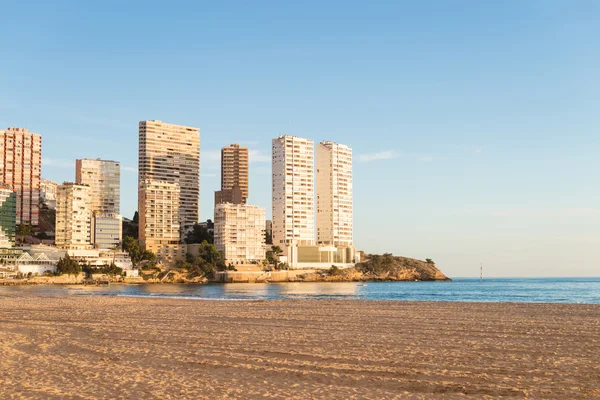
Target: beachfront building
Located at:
point(171, 154)
point(48, 191)
point(104, 179)
point(334, 194)
point(234, 174)
point(320, 256)
point(240, 232)
point(293, 191)
point(73, 216)
point(8, 216)
point(20, 167)
point(159, 224)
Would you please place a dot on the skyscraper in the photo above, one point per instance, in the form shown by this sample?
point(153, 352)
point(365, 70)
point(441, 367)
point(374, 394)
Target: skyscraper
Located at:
point(334, 194)
point(234, 173)
point(8, 216)
point(171, 154)
point(104, 179)
point(20, 167)
point(73, 216)
point(293, 191)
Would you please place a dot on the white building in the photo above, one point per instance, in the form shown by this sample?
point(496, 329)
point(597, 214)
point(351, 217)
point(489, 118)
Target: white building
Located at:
point(334, 194)
point(240, 232)
point(48, 191)
point(293, 191)
point(73, 216)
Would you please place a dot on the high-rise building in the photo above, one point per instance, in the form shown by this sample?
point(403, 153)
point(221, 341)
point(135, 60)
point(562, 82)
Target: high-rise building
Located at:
point(293, 191)
point(171, 154)
point(20, 167)
point(48, 191)
point(240, 232)
point(73, 216)
point(334, 194)
point(234, 169)
point(159, 206)
point(104, 179)
point(233, 196)
point(8, 216)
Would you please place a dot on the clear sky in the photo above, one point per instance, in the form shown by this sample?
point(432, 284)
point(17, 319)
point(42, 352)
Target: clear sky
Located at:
point(475, 124)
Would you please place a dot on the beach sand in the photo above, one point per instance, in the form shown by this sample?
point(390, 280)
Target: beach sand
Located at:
point(124, 348)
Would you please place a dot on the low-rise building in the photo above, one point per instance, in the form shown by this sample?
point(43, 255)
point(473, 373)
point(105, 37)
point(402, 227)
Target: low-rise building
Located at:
point(320, 257)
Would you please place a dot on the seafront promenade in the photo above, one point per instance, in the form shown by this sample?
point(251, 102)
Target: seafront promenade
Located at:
point(117, 347)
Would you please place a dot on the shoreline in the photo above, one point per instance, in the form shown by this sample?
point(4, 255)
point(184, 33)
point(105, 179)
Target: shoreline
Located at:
point(127, 347)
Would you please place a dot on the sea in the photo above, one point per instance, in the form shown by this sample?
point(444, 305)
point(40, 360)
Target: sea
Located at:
point(520, 290)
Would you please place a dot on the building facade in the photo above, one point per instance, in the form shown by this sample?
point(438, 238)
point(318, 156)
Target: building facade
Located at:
point(20, 167)
point(48, 191)
point(171, 154)
point(73, 216)
point(334, 194)
point(8, 216)
point(240, 232)
point(160, 229)
point(234, 169)
point(293, 191)
point(233, 196)
point(104, 179)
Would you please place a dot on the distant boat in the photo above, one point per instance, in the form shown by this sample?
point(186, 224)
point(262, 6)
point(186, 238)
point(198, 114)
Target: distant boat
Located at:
point(362, 284)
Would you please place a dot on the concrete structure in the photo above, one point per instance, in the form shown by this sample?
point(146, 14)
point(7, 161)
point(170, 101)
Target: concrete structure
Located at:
point(240, 232)
point(107, 230)
point(233, 196)
point(99, 258)
point(104, 179)
point(234, 169)
point(73, 216)
point(171, 153)
point(320, 257)
point(334, 194)
point(8, 216)
point(20, 167)
point(48, 191)
point(160, 231)
point(293, 191)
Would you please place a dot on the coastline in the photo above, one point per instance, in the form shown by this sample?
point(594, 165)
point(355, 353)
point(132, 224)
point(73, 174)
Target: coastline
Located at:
point(125, 347)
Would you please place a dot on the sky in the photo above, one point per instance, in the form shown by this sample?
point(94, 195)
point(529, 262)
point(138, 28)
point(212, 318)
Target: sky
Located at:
point(474, 124)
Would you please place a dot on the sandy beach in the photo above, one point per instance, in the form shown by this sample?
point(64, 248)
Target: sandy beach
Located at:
point(84, 347)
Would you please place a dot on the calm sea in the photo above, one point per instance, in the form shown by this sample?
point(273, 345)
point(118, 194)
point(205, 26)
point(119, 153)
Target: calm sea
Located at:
point(535, 290)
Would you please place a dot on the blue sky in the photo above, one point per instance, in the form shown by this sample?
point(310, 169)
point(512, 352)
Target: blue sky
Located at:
point(474, 124)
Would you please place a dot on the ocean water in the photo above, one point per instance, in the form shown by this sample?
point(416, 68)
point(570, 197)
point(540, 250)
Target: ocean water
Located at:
point(531, 290)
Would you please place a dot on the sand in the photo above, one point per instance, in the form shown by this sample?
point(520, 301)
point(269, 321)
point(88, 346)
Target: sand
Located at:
point(123, 348)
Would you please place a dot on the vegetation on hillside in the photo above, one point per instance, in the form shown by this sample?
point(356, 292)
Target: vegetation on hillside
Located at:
point(387, 266)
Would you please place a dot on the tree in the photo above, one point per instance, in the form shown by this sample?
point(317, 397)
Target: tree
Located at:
point(429, 261)
point(67, 265)
point(23, 231)
point(131, 246)
point(136, 218)
point(200, 234)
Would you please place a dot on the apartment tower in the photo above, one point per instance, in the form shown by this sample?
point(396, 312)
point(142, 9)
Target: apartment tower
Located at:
point(171, 154)
point(8, 216)
point(240, 232)
point(234, 174)
point(73, 216)
point(104, 179)
point(334, 194)
point(48, 191)
point(293, 191)
point(159, 205)
point(20, 167)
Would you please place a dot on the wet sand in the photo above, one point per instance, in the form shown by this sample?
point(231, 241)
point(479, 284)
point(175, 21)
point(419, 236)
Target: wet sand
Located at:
point(123, 348)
